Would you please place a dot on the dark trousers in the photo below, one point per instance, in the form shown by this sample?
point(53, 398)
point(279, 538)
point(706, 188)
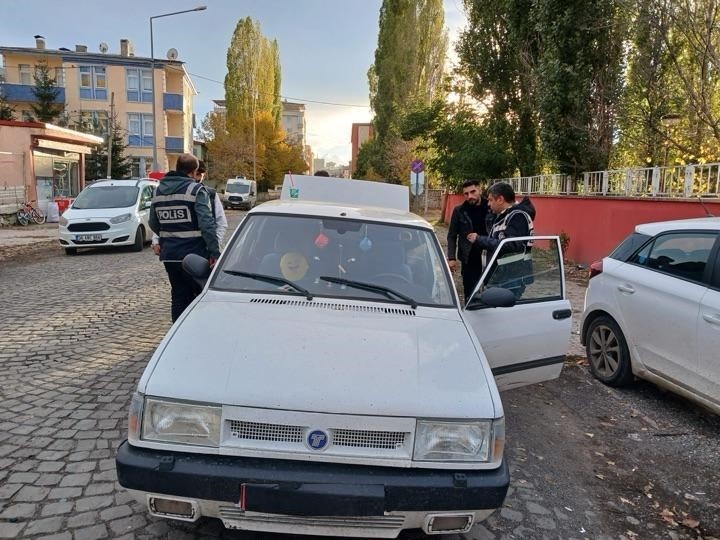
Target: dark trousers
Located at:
point(471, 273)
point(183, 288)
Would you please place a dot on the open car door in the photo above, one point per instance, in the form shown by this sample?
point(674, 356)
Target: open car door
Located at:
point(525, 343)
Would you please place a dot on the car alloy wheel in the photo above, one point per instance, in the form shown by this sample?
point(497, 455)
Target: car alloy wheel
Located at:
point(607, 352)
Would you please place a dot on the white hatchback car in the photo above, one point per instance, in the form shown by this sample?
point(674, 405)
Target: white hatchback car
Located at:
point(652, 310)
point(327, 380)
point(109, 213)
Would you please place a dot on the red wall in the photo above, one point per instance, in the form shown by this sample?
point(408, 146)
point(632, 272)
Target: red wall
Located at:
point(595, 225)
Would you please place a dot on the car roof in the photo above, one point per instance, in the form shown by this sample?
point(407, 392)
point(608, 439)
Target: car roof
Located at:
point(321, 209)
point(122, 182)
point(651, 229)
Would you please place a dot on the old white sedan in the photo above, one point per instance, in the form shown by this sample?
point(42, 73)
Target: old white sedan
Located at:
point(327, 380)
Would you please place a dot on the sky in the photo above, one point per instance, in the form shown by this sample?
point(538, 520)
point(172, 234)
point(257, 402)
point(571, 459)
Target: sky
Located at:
point(326, 47)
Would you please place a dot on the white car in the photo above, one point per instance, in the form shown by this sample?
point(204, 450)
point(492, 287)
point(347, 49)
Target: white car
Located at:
point(109, 213)
point(652, 310)
point(327, 380)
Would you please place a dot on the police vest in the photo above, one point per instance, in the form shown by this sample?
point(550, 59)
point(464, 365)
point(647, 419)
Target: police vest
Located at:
point(498, 231)
point(179, 230)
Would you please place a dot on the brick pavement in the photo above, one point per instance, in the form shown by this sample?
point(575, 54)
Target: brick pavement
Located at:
point(75, 335)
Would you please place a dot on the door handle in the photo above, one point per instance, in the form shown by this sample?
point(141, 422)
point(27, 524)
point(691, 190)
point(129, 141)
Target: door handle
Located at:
point(712, 319)
point(626, 288)
point(559, 314)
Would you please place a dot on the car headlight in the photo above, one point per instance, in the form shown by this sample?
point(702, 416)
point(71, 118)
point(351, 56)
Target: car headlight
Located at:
point(63, 221)
point(184, 423)
point(120, 219)
point(480, 441)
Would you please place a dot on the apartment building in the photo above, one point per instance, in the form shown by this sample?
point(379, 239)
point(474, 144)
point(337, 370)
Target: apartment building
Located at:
point(87, 80)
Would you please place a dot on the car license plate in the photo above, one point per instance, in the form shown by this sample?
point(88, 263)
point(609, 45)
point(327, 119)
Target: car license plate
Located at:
point(88, 237)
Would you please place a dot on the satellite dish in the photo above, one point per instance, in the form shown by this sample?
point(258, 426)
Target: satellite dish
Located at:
point(172, 54)
point(103, 47)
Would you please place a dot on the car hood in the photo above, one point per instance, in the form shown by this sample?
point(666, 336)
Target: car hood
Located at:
point(96, 213)
point(303, 358)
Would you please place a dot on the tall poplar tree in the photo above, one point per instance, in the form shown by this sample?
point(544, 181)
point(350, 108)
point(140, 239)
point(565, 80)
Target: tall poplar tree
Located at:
point(408, 68)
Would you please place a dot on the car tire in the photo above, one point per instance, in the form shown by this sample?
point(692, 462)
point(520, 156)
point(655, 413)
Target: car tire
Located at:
point(70, 251)
point(607, 352)
point(139, 240)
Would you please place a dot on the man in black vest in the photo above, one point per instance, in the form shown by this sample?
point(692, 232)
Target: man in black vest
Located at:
point(181, 216)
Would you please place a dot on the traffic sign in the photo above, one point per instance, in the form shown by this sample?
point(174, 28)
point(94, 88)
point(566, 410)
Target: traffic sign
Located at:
point(417, 166)
point(417, 183)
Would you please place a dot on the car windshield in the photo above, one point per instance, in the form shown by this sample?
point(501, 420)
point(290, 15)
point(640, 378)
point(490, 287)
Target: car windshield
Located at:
point(106, 197)
point(237, 188)
point(315, 256)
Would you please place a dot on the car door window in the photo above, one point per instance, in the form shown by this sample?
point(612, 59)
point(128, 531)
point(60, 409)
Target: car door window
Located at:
point(533, 274)
point(146, 197)
point(681, 254)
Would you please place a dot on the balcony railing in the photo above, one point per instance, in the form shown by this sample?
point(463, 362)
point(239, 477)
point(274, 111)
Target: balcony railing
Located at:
point(24, 93)
point(681, 181)
point(172, 102)
point(174, 144)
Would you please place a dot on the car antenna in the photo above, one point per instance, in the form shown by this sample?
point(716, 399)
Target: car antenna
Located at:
point(707, 212)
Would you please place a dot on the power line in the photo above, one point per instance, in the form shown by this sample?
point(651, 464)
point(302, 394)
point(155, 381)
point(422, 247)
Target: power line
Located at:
point(304, 100)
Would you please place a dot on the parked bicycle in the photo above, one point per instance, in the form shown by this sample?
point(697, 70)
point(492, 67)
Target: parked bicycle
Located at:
point(28, 213)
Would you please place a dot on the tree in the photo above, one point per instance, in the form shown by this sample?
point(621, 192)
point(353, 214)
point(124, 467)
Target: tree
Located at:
point(46, 92)
point(6, 110)
point(463, 147)
point(579, 80)
point(96, 161)
point(408, 67)
point(498, 54)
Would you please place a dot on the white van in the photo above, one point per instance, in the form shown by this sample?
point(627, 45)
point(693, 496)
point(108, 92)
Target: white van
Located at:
point(361, 398)
point(239, 193)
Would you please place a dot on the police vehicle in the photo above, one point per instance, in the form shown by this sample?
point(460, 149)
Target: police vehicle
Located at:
point(328, 381)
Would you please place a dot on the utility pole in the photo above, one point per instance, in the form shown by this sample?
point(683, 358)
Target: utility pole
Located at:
point(110, 134)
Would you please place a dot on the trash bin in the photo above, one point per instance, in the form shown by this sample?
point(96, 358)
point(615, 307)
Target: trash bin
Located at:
point(63, 204)
point(53, 212)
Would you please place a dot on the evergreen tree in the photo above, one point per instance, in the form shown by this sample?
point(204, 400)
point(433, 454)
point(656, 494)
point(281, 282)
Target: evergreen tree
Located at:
point(46, 92)
point(96, 161)
point(6, 110)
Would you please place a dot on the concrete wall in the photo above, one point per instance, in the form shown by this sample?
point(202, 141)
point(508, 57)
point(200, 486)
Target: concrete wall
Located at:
point(595, 225)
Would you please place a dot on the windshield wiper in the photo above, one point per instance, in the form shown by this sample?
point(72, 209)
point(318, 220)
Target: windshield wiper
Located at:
point(271, 279)
point(370, 287)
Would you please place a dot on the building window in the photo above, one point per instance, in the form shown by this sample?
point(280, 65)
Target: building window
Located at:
point(93, 82)
point(140, 129)
point(140, 167)
point(27, 116)
point(95, 122)
point(139, 85)
point(25, 74)
point(59, 77)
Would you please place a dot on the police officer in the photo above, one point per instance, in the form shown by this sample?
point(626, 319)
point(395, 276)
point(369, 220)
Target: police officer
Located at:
point(181, 216)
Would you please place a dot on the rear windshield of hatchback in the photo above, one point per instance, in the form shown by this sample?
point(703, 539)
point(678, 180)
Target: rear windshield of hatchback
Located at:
point(630, 245)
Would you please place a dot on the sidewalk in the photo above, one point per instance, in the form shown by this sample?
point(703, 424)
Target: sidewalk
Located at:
point(18, 240)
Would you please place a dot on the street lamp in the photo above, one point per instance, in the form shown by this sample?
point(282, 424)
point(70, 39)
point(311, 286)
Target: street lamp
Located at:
point(156, 165)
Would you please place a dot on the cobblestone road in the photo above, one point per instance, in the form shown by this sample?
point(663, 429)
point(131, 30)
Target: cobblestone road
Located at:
point(75, 335)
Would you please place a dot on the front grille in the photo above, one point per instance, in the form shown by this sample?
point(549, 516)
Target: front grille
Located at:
point(87, 227)
point(387, 440)
point(256, 431)
point(334, 306)
point(101, 241)
point(235, 198)
point(354, 438)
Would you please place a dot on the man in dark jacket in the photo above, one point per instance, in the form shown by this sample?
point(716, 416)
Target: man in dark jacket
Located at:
point(181, 216)
point(468, 217)
point(511, 220)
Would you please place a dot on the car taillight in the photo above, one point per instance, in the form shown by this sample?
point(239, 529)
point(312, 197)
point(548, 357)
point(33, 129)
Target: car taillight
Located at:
point(595, 269)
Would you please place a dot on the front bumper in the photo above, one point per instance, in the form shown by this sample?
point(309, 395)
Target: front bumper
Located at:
point(301, 488)
point(121, 234)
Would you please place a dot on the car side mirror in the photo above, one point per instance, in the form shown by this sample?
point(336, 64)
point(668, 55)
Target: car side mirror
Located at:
point(493, 297)
point(198, 267)
point(252, 193)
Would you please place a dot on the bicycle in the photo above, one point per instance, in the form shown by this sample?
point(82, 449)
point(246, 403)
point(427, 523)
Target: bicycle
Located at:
point(29, 213)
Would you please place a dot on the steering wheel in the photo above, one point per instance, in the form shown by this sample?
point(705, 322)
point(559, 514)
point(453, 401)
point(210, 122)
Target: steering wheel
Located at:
point(391, 275)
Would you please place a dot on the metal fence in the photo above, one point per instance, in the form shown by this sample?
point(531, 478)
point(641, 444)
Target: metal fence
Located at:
point(685, 181)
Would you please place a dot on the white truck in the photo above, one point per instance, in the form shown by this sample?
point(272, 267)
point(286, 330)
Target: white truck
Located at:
point(239, 192)
point(329, 381)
